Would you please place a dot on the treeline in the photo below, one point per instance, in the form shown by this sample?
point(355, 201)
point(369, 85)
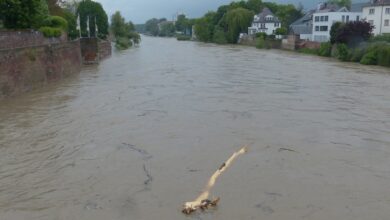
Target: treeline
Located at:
point(54, 17)
point(164, 28)
point(226, 24)
point(124, 32)
point(354, 42)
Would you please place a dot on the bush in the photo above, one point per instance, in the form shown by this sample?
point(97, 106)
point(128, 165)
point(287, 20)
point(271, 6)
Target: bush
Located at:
point(183, 38)
point(219, 36)
point(260, 43)
point(56, 22)
point(381, 38)
point(383, 56)
point(325, 49)
point(343, 53)
point(370, 58)
point(123, 43)
point(50, 31)
point(261, 35)
point(357, 54)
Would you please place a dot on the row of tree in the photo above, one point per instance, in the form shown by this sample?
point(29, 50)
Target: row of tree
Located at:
point(164, 28)
point(123, 32)
point(226, 24)
point(46, 15)
point(53, 17)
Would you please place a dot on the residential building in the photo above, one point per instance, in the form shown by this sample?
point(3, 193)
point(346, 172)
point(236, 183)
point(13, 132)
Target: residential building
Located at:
point(328, 14)
point(303, 26)
point(377, 12)
point(265, 22)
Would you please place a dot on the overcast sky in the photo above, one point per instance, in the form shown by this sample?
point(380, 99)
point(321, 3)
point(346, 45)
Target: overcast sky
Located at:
point(139, 11)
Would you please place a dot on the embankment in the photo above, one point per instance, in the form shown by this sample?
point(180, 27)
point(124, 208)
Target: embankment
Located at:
point(25, 68)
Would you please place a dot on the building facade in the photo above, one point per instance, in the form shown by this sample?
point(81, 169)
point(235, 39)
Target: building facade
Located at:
point(265, 22)
point(326, 16)
point(377, 12)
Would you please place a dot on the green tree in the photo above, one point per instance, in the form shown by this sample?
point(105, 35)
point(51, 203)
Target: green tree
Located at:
point(54, 7)
point(151, 27)
point(167, 29)
point(181, 23)
point(204, 27)
point(23, 14)
point(124, 32)
point(92, 11)
point(237, 20)
point(255, 5)
point(288, 14)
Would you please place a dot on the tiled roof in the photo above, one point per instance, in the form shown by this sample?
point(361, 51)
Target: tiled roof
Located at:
point(261, 18)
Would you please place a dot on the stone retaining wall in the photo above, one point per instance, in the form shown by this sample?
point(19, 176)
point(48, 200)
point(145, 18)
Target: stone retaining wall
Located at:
point(23, 69)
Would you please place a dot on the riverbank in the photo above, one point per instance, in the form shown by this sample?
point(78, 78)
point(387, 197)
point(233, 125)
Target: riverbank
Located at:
point(72, 150)
point(28, 60)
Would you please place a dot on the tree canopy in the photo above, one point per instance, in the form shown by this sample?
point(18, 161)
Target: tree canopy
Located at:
point(235, 18)
point(124, 32)
point(94, 13)
point(20, 14)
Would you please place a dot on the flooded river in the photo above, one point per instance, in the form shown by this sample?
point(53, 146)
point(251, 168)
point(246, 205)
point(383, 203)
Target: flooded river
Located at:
point(140, 134)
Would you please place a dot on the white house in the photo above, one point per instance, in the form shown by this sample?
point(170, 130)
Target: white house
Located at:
point(377, 12)
point(265, 22)
point(328, 14)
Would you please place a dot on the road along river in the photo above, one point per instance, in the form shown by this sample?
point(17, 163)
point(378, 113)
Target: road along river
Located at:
point(140, 134)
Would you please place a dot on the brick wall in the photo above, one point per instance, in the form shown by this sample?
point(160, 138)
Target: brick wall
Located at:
point(26, 38)
point(23, 69)
point(105, 49)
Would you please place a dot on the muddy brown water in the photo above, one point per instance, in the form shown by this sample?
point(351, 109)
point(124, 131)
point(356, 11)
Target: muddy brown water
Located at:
point(140, 134)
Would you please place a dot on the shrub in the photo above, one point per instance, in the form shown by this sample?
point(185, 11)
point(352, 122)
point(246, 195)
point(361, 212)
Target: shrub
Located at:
point(123, 43)
point(50, 31)
point(325, 49)
point(56, 22)
point(370, 58)
point(381, 38)
point(261, 35)
point(260, 43)
point(219, 36)
point(357, 54)
point(183, 37)
point(343, 53)
point(383, 56)
point(281, 31)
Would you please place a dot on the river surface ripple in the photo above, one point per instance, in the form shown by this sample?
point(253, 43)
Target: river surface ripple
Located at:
point(138, 135)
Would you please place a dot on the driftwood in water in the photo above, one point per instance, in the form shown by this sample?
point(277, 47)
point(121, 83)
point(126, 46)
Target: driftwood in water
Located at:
point(203, 201)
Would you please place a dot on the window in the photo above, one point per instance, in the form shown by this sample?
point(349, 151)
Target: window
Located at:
point(371, 22)
point(322, 18)
point(326, 18)
point(276, 24)
point(387, 22)
point(343, 18)
point(317, 18)
point(347, 20)
point(372, 11)
point(357, 18)
point(324, 28)
point(387, 11)
point(317, 28)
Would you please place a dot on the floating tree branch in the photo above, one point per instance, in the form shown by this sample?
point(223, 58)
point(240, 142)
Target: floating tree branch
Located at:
point(203, 201)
